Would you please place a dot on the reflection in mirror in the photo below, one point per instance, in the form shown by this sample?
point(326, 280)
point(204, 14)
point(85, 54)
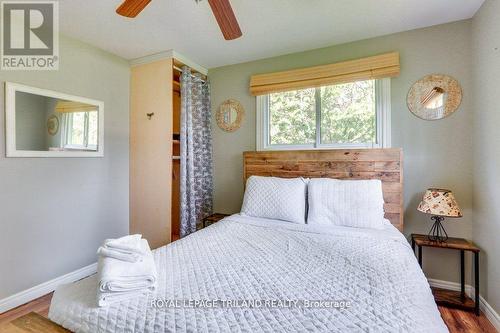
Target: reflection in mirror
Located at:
point(46, 123)
point(434, 96)
point(434, 99)
point(230, 115)
point(79, 125)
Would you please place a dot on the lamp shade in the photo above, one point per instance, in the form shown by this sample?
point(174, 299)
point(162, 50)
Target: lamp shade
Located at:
point(441, 202)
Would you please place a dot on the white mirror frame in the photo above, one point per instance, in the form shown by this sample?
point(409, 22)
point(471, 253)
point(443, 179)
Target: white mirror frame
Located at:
point(10, 122)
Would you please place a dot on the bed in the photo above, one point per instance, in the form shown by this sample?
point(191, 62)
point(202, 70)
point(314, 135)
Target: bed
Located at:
point(246, 274)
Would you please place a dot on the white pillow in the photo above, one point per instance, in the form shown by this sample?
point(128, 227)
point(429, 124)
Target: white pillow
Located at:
point(352, 203)
point(275, 198)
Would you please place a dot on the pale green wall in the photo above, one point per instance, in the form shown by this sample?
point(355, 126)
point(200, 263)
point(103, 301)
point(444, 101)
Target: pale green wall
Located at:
point(55, 212)
point(31, 128)
point(486, 157)
point(50, 107)
point(32, 113)
point(436, 153)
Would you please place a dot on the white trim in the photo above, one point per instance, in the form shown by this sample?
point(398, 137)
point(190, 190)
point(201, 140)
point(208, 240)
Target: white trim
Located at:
point(383, 109)
point(10, 122)
point(168, 55)
point(317, 100)
point(152, 58)
point(450, 286)
point(383, 100)
point(261, 115)
point(489, 312)
point(485, 307)
point(45, 288)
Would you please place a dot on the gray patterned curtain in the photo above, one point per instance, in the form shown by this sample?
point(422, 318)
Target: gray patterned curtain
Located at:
point(196, 151)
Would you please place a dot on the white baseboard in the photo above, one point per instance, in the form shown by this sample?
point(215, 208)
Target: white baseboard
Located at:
point(487, 309)
point(451, 286)
point(45, 288)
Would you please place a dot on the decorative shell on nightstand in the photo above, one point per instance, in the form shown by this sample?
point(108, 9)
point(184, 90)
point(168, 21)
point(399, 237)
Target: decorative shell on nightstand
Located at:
point(230, 115)
point(434, 96)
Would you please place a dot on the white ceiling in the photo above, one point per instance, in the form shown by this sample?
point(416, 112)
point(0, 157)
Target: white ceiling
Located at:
point(270, 27)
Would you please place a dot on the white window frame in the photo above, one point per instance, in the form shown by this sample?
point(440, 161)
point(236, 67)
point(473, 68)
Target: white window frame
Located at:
point(67, 129)
point(383, 126)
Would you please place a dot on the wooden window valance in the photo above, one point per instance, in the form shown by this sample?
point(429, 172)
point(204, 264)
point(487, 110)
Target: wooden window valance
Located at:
point(376, 67)
point(69, 107)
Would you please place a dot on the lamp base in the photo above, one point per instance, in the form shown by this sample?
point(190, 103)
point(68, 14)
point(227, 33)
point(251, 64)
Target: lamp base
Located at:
point(437, 232)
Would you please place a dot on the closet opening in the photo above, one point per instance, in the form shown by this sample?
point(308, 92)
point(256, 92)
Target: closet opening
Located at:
point(176, 146)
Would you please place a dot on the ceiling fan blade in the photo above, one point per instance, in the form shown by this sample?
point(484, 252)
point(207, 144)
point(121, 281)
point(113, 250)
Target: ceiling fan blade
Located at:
point(132, 8)
point(225, 18)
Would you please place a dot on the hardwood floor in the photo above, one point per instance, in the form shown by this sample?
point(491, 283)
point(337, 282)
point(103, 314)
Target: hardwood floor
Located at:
point(456, 320)
point(39, 305)
point(32, 323)
point(465, 321)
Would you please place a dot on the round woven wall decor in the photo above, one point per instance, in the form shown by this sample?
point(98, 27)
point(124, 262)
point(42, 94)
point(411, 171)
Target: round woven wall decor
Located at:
point(52, 125)
point(434, 96)
point(230, 115)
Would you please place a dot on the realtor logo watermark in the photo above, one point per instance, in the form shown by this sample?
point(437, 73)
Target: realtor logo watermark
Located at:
point(29, 35)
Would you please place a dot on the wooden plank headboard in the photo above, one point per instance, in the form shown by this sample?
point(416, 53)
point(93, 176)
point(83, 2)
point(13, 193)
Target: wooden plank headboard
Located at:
point(383, 164)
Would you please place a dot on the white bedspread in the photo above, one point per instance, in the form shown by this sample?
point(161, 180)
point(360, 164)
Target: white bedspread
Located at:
point(242, 258)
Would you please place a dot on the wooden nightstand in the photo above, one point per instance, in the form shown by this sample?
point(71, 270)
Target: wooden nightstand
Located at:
point(216, 217)
point(455, 299)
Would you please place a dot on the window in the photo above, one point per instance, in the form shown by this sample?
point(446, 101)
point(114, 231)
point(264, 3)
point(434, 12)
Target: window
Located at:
point(348, 115)
point(80, 130)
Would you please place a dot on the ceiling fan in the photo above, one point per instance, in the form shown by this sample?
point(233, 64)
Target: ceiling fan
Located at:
point(221, 8)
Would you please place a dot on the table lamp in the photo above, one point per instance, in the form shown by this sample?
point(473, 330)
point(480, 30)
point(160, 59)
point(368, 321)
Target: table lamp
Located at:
point(439, 203)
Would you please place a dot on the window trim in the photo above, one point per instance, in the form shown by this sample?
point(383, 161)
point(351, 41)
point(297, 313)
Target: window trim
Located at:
point(67, 132)
point(383, 125)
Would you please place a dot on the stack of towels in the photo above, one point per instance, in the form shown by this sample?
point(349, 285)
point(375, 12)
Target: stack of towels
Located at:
point(126, 269)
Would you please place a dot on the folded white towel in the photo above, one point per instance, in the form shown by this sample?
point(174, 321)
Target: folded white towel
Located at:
point(118, 254)
point(130, 243)
point(106, 299)
point(126, 248)
point(119, 280)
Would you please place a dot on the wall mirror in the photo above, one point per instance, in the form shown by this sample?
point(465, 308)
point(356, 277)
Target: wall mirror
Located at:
point(230, 115)
point(44, 123)
point(434, 97)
